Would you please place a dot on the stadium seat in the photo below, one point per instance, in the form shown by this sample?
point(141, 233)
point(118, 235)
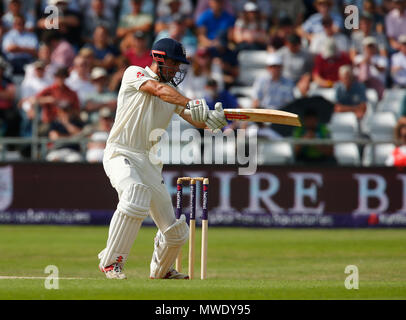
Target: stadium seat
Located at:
point(344, 126)
point(251, 59)
point(347, 154)
point(376, 156)
point(382, 126)
point(393, 100)
point(275, 152)
point(328, 94)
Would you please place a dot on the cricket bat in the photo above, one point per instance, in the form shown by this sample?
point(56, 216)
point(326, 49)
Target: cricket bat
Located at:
point(263, 115)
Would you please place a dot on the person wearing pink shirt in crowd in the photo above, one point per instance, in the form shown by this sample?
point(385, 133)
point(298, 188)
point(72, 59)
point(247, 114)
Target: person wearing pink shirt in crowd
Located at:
point(138, 54)
point(62, 52)
point(395, 23)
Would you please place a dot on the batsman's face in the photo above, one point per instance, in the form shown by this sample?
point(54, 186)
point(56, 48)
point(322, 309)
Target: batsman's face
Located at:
point(173, 67)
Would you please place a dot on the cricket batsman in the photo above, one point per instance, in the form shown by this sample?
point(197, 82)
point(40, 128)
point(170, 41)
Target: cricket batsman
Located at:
point(147, 101)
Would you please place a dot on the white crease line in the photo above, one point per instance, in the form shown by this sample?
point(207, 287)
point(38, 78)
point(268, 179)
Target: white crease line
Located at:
point(42, 278)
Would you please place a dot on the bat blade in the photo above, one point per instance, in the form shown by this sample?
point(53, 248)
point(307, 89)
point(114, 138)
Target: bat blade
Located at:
point(263, 115)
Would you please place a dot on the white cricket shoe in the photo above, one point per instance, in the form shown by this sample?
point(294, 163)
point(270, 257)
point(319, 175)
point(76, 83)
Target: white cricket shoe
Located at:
point(174, 274)
point(114, 271)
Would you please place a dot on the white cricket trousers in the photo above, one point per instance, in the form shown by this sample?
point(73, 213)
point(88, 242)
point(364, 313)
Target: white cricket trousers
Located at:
point(141, 191)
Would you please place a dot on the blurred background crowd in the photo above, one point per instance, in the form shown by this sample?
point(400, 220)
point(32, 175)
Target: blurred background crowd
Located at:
point(342, 71)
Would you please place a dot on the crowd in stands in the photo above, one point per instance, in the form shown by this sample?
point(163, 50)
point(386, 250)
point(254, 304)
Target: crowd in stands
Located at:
point(68, 76)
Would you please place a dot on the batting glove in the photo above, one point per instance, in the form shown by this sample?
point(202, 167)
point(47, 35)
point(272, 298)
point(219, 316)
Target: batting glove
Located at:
point(199, 110)
point(216, 118)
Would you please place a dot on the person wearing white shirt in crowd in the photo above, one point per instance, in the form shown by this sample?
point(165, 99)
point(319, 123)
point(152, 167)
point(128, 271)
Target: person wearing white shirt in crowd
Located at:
point(19, 46)
point(79, 80)
point(44, 55)
point(371, 67)
point(29, 88)
point(329, 31)
point(15, 8)
point(398, 70)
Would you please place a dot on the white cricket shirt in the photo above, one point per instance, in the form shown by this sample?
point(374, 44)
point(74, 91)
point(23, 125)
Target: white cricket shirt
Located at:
point(139, 113)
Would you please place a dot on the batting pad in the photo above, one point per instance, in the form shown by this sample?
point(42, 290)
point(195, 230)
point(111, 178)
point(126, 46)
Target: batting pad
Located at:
point(132, 209)
point(167, 247)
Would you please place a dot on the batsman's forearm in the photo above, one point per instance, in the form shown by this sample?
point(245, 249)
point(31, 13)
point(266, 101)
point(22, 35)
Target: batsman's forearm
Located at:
point(164, 92)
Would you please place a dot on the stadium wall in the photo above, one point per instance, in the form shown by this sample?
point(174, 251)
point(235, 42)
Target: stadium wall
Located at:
point(276, 196)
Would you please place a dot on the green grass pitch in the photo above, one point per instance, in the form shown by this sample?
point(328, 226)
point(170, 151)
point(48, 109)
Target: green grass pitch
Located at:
point(262, 264)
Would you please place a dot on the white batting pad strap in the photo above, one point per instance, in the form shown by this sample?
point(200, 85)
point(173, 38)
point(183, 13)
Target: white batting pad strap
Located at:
point(135, 201)
point(122, 234)
point(167, 248)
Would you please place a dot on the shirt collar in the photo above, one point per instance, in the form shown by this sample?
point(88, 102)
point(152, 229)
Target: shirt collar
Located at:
point(152, 73)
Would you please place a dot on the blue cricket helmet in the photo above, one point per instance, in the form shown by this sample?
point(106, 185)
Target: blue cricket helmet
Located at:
point(170, 48)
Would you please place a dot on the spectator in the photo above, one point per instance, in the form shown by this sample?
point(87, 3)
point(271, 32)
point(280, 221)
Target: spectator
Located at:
point(370, 7)
point(398, 156)
point(398, 62)
point(164, 8)
point(366, 30)
point(178, 31)
point(327, 63)
point(314, 25)
point(319, 38)
point(201, 69)
point(9, 119)
point(104, 53)
point(95, 18)
point(280, 34)
point(44, 55)
point(350, 95)
point(212, 23)
point(213, 95)
point(49, 98)
point(229, 7)
point(66, 125)
point(139, 54)
point(371, 67)
point(175, 10)
point(273, 91)
point(226, 60)
point(312, 128)
point(30, 87)
point(395, 23)
point(19, 46)
point(292, 9)
point(296, 60)
point(121, 64)
point(69, 23)
point(99, 135)
point(250, 31)
point(110, 9)
point(102, 97)
point(135, 21)
point(62, 52)
point(15, 9)
point(79, 79)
